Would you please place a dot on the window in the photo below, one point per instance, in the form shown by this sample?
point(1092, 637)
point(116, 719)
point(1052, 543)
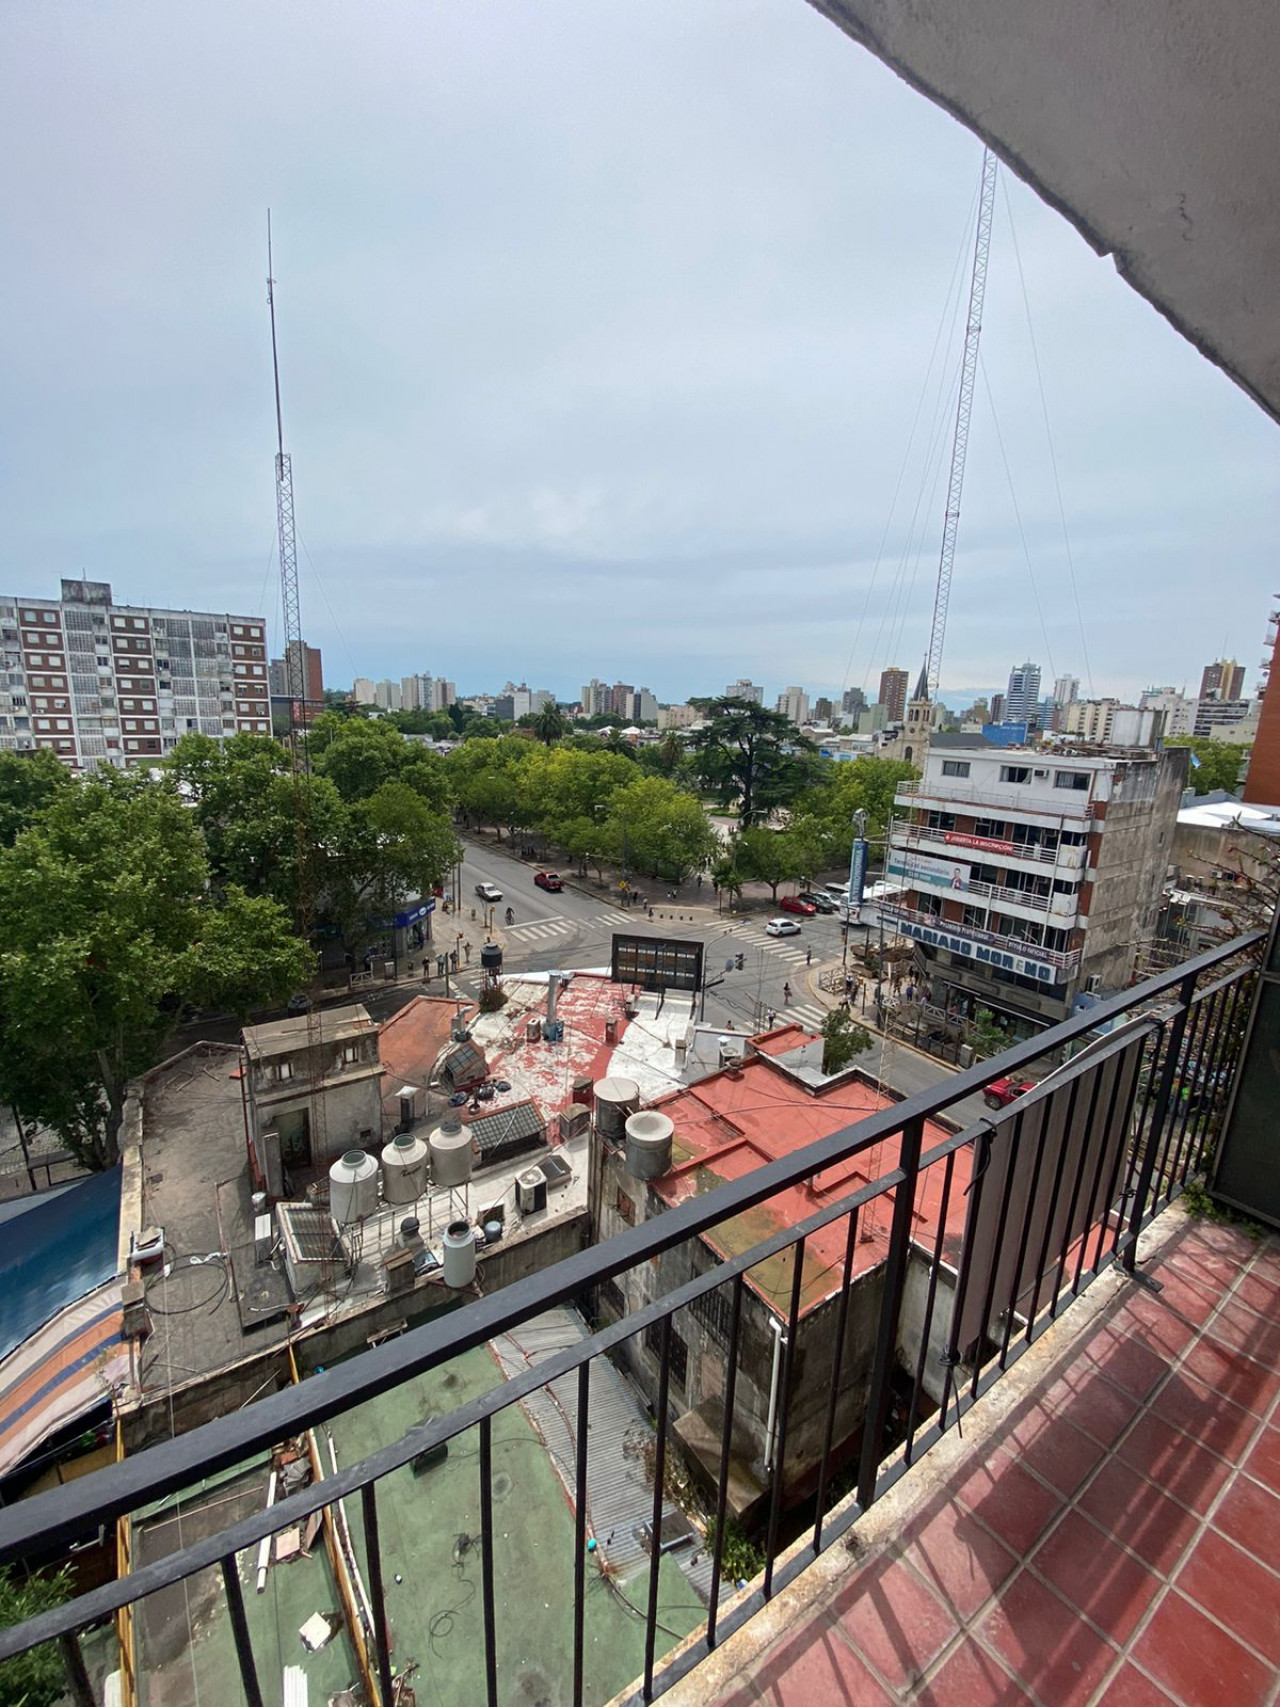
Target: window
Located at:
point(679, 1351)
point(955, 767)
point(350, 1054)
point(713, 1310)
point(282, 1071)
point(1071, 779)
point(626, 1209)
point(941, 820)
point(1015, 773)
point(975, 918)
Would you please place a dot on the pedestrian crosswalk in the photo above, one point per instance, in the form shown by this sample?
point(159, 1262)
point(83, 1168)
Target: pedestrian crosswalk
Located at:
point(541, 930)
point(805, 1014)
point(783, 948)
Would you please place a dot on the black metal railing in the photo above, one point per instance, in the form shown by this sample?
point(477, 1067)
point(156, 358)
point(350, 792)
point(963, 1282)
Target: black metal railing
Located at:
point(1054, 1188)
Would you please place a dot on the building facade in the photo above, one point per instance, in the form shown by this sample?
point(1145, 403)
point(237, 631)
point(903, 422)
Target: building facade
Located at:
point(1179, 711)
point(1227, 720)
point(1066, 690)
point(1022, 697)
point(893, 694)
point(104, 684)
point(1031, 876)
point(1223, 679)
point(793, 703)
point(677, 716)
point(743, 689)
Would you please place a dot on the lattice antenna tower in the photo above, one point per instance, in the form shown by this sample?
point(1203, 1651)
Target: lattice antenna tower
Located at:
point(296, 679)
point(964, 412)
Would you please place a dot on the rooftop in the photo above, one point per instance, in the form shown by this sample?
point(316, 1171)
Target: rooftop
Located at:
point(286, 1036)
point(737, 1120)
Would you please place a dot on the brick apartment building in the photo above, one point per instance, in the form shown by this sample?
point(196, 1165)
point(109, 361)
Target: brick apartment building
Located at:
point(100, 683)
point(1032, 874)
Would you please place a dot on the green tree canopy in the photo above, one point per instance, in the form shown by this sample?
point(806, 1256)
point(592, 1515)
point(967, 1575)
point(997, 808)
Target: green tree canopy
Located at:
point(750, 755)
point(39, 1677)
point(28, 783)
point(106, 933)
point(843, 1039)
point(1219, 763)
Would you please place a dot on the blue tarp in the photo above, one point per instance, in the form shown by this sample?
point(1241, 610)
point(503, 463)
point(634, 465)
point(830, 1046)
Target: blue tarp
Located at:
point(55, 1248)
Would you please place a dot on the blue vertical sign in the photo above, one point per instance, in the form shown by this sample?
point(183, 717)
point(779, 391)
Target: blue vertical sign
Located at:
point(857, 872)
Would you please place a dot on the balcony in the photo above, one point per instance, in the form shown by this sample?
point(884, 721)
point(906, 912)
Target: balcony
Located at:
point(1069, 858)
point(1115, 1443)
point(1061, 802)
point(912, 922)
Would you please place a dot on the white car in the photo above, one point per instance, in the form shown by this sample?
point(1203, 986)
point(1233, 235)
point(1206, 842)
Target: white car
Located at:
point(782, 927)
point(488, 892)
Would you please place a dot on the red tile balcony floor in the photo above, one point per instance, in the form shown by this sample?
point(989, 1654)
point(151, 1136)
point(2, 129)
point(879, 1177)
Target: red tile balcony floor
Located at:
point(1108, 1530)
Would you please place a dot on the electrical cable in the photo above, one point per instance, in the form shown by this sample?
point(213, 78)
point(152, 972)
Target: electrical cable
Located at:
point(1048, 432)
point(1013, 496)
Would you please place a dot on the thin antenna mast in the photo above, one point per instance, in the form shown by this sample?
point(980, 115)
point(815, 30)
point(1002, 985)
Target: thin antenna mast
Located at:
point(964, 411)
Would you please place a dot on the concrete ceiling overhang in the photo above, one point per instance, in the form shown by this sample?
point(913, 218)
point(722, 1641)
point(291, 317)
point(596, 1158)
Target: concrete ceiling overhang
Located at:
point(1153, 125)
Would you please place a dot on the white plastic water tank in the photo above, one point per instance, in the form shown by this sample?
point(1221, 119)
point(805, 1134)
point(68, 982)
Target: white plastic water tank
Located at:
point(353, 1187)
point(404, 1169)
point(459, 1254)
point(649, 1136)
point(615, 1099)
point(451, 1153)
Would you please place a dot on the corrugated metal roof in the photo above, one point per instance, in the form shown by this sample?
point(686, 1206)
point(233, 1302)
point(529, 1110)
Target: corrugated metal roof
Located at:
point(619, 1488)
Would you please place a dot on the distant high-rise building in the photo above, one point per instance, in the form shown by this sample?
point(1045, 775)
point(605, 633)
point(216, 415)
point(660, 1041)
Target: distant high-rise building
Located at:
point(744, 689)
point(1179, 711)
point(443, 694)
point(312, 680)
point(823, 710)
point(1066, 690)
point(794, 703)
point(645, 707)
point(1223, 679)
point(621, 697)
point(893, 694)
point(364, 691)
point(595, 698)
point(852, 701)
point(998, 708)
point(1022, 697)
point(387, 696)
point(677, 716)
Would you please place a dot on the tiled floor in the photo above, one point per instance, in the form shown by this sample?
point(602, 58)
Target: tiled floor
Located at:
point(1118, 1541)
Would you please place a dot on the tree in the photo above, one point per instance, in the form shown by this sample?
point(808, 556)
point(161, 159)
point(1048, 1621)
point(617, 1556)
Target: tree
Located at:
point(104, 906)
point(654, 827)
point(29, 782)
point(1214, 764)
point(359, 757)
point(245, 958)
point(842, 1039)
point(37, 1678)
point(866, 785)
point(387, 847)
point(769, 856)
point(550, 724)
point(750, 754)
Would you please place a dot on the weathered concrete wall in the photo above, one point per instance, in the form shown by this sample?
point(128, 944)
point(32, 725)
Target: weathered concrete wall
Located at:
point(915, 1299)
point(1135, 849)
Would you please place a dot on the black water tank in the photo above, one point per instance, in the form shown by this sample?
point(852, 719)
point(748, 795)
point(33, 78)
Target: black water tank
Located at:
point(491, 957)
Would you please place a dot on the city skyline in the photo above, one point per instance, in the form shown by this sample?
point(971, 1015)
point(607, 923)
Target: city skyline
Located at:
point(656, 424)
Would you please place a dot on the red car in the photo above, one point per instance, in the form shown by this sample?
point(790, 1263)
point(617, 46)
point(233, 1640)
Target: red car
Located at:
point(548, 880)
point(793, 904)
point(1001, 1092)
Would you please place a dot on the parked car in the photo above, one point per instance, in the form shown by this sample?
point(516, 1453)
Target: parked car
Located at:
point(782, 927)
point(488, 892)
point(819, 900)
point(551, 881)
point(794, 904)
point(1001, 1092)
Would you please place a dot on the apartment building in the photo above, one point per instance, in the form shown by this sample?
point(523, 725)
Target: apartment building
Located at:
point(1031, 875)
point(893, 694)
point(743, 689)
point(793, 703)
point(100, 683)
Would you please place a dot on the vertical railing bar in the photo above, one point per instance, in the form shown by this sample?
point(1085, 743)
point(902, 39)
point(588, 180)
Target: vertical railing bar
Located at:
point(486, 1561)
point(1142, 1191)
point(1043, 1254)
point(659, 1475)
point(79, 1687)
point(1014, 1129)
point(240, 1630)
point(895, 1268)
point(1063, 1254)
point(373, 1558)
point(934, 1269)
point(1126, 1142)
point(837, 1369)
point(1208, 1088)
point(778, 1450)
point(1135, 1143)
point(726, 1447)
point(980, 1167)
point(580, 1531)
point(1024, 1238)
point(1222, 1043)
point(1190, 1066)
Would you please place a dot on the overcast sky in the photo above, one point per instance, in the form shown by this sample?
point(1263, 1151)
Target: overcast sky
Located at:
point(603, 332)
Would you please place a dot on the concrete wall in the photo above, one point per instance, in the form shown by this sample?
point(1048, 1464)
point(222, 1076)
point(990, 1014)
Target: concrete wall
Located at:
point(915, 1298)
point(1134, 851)
point(1201, 851)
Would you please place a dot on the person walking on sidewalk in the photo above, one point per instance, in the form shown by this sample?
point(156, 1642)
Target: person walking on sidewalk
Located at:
point(786, 995)
point(808, 957)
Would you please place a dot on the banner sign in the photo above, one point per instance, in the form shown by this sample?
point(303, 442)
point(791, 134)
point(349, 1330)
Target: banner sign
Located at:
point(981, 952)
point(921, 868)
point(988, 844)
point(857, 872)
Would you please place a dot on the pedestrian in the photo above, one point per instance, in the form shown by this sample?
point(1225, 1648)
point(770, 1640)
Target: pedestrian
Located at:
point(467, 948)
point(848, 984)
point(772, 1018)
point(808, 957)
point(699, 882)
point(786, 994)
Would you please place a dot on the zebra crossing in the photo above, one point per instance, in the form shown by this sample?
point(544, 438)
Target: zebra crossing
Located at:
point(546, 930)
point(805, 1014)
point(779, 946)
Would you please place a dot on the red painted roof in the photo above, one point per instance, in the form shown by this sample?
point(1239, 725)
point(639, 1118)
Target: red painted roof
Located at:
point(731, 1123)
point(410, 1042)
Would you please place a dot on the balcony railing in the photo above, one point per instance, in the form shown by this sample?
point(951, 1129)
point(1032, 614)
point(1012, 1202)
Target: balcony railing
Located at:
point(1053, 1191)
point(1065, 959)
point(1069, 857)
point(1066, 802)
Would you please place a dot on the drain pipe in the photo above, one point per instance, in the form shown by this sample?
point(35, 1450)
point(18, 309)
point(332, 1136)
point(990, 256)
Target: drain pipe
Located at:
point(779, 1340)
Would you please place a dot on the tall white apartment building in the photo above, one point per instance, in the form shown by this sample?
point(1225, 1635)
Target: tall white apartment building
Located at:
point(743, 689)
point(106, 684)
point(794, 703)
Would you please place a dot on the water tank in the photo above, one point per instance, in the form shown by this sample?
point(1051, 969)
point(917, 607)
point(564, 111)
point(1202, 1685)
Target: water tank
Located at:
point(490, 958)
point(459, 1254)
point(353, 1187)
point(615, 1099)
point(649, 1136)
point(451, 1153)
point(404, 1169)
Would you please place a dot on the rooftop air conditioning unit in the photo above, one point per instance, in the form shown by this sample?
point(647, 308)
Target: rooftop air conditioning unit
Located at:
point(531, 1191)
